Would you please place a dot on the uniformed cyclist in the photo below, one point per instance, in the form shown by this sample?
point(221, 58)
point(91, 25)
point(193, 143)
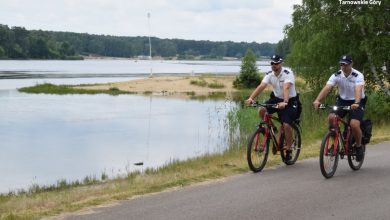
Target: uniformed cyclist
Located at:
point(284, 95)
point(350, 83)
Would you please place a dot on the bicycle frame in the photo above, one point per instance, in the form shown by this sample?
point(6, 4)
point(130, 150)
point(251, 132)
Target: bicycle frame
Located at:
point(269, 131)
point(335, 129)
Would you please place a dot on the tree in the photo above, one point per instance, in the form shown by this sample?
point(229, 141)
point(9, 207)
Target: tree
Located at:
point(18, 42)
point(249, 75)
point(283, 47)
point(2, 52)
point(66, 49)
point(167, 48)
point(22, 43)
point(220, 50)
point(39, 48)
point(322, 30)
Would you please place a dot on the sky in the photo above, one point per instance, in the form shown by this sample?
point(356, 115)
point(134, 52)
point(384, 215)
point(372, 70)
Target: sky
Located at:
point(215, 20)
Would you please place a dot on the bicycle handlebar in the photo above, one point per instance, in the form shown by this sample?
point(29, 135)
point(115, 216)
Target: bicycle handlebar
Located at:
point(335, 107)
point(257, 104)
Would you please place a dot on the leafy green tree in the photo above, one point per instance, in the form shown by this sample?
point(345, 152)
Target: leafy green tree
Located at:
point(18, 42)
point(16, 51)
point(283, 47)
point(221, 50)
point(66, 49)
point(2, 52)
point(7, 40)
point(249, 75)
point(22, 42)
point(4, 30)
point(39, 49)
point(323, 30)
point(167, 48)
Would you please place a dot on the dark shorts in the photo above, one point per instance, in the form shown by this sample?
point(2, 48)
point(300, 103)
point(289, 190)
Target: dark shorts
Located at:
point(357, 114)
point(286, 115)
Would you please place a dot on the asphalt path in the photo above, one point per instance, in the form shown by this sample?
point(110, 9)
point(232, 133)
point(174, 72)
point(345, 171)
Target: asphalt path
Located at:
point(285, 192)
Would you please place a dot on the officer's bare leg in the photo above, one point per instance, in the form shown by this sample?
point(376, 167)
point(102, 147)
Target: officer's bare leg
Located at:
point(288, 131)
point(356, 131)
point(332, 119)
point(262, 112)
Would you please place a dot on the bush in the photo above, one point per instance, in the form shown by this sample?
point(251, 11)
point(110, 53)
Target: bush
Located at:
point(200, 82)
point(216, 85)
point(249, 75)
point(377, 106)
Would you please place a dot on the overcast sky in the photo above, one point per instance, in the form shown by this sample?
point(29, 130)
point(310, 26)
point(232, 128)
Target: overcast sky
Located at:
point(214, 20)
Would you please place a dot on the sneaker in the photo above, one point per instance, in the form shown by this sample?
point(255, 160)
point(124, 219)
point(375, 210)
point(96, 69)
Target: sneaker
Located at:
point(359, 154)
point(288, 155)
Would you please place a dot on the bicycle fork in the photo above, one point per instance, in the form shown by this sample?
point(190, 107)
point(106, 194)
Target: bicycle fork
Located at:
point(264, 140)
point(337, 141)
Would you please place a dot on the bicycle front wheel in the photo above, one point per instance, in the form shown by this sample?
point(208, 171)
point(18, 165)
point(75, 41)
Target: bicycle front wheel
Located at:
point(328, 159)
point(257, 150)
point(295, 147)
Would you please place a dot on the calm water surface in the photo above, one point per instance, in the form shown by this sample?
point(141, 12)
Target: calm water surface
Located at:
point(90, 68)
point(45, 138)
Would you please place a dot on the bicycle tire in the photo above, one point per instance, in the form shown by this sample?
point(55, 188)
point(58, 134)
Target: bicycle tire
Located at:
point(252, 154)
point(328, 143)
point(353, 164)
point(296, 148)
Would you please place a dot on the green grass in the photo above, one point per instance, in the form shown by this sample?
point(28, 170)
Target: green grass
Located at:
point(48, 88)
point(203, 83)
point(192, 93)
point(216, 85)
point(209, 96)
point(148, 93)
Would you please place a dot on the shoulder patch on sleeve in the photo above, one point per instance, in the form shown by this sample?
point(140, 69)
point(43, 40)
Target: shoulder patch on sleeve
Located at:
point(286, 71)
point(354, 74)
point(338, 73)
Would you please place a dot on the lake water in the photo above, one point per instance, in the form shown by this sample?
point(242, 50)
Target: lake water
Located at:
point(118, 68)
point(45, 138)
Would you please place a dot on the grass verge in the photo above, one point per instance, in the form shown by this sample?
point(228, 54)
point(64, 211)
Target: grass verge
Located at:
point(175, 174)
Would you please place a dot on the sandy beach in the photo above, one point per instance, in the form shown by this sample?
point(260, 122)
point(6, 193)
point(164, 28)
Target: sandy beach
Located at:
point(173, 85)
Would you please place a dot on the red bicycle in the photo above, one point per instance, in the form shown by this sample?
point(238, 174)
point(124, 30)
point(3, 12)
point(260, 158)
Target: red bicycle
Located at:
point(337, 143)
point(258, 144)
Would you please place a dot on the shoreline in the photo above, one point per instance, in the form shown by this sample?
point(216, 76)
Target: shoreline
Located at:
point(174, 86)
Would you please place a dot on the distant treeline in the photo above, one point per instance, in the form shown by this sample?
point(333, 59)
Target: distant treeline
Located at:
point(19, 43)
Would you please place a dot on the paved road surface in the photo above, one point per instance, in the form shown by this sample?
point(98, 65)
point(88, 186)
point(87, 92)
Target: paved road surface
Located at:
point(286, 192)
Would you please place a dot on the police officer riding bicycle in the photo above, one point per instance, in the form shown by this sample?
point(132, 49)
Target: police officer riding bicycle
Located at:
point(284, 95)
point(350, 83)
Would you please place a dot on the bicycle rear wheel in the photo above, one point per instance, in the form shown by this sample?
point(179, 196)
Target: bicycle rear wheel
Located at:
point(328, 159)
point(296, 146)
point(355, 165)
point(257, 154)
